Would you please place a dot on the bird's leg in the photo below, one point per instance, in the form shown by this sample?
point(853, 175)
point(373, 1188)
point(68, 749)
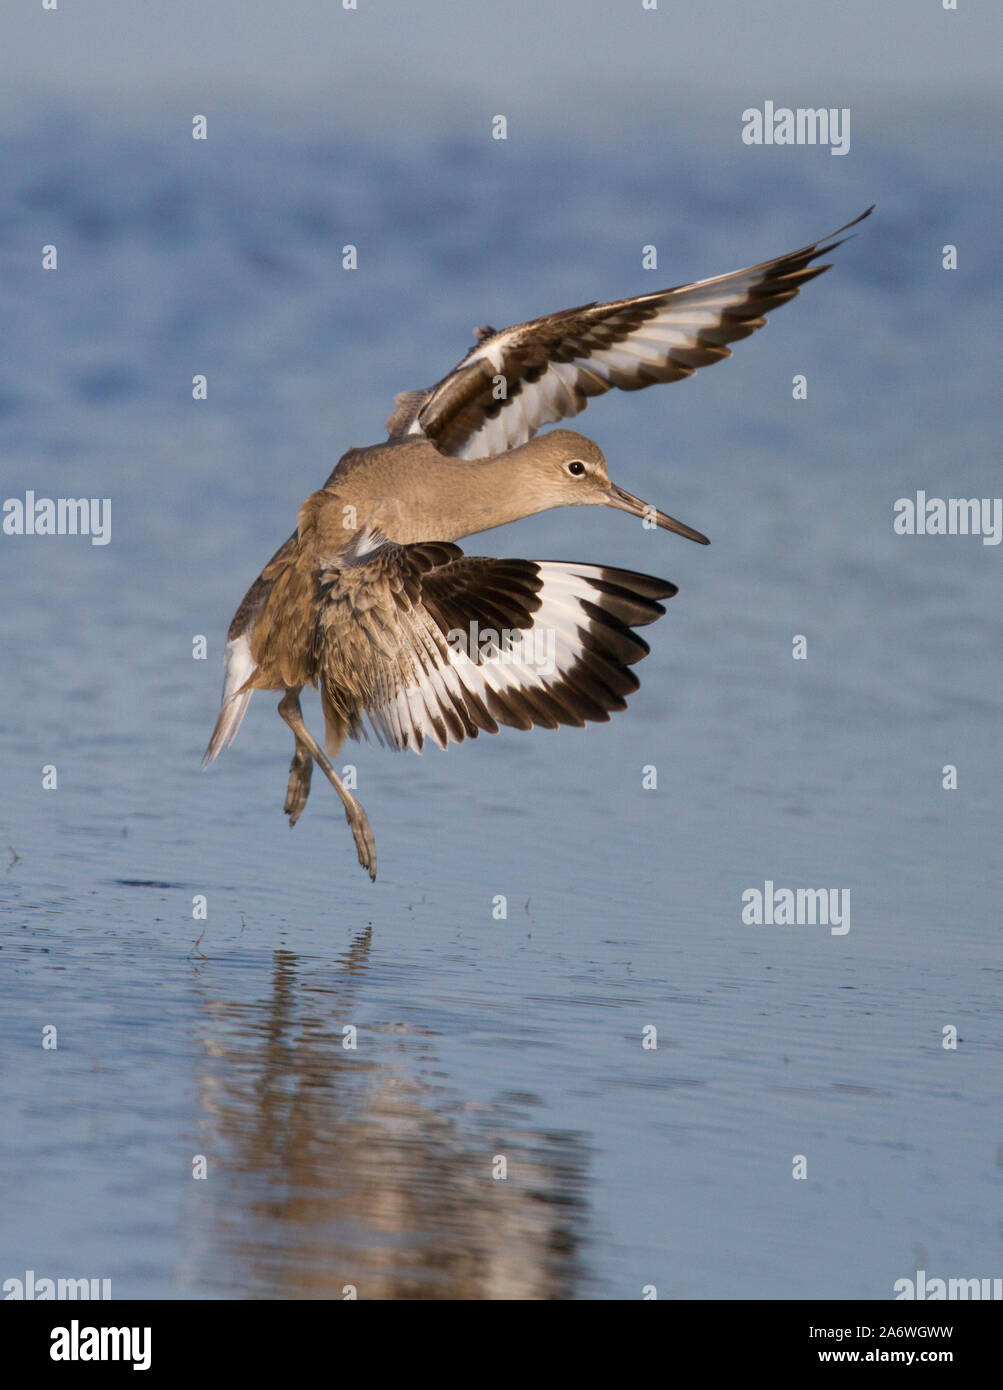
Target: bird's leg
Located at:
point(300, 771)
point(289, 708)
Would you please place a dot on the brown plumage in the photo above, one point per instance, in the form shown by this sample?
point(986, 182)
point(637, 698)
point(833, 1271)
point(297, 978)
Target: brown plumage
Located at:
point(371, 600)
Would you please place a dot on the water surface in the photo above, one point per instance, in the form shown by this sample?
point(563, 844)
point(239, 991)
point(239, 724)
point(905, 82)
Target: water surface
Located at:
point(477, 1037)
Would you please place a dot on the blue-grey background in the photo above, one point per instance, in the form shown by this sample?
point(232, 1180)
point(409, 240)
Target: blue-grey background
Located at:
point(521, 1037)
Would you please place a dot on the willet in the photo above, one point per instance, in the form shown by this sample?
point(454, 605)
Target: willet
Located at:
point(369, 598)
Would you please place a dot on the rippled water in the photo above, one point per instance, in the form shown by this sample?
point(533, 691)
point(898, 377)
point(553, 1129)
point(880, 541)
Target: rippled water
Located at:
point(478, 1038)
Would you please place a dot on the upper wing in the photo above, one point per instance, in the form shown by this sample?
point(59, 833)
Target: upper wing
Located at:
point(441, 645)
point(552, 365)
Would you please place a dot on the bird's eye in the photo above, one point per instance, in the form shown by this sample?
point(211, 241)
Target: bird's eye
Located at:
point(576, 468)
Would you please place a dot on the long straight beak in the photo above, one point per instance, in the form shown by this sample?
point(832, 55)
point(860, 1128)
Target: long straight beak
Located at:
point(626, 502)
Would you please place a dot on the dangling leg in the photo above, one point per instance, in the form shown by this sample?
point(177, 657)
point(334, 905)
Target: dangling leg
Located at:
point(289, 708)
point(300, 772)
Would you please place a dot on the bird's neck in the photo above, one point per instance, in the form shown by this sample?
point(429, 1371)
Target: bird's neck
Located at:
point(478, 494)
point(431, 497)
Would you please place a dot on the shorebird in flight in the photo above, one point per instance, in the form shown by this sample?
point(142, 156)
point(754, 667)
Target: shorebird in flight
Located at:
point(371, 600)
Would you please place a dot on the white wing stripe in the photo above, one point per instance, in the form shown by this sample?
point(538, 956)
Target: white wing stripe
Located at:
point(626, 342)
point(423, 698)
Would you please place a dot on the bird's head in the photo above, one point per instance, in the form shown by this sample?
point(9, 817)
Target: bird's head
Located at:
point(572, 472)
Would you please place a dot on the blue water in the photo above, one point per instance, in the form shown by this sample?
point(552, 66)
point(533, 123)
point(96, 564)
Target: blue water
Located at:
point(521, 1038)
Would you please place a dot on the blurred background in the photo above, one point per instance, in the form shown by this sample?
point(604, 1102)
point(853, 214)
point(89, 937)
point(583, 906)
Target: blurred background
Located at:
point(374, 1167)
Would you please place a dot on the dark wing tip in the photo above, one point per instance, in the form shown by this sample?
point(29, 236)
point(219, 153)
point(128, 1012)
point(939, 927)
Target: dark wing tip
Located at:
point(828, 244)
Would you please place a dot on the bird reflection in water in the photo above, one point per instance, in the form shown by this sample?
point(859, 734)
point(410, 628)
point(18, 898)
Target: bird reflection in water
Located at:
point(336, 1172)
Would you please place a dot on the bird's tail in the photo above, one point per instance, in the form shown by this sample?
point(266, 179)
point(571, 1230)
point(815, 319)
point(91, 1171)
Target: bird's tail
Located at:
point(239, 666)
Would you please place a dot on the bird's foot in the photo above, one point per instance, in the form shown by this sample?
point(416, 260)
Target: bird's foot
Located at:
point(364, 842)
point(300, 772)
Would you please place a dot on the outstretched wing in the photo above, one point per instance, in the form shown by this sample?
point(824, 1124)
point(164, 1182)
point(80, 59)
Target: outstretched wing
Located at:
point(552, 365)
point(441, 645)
